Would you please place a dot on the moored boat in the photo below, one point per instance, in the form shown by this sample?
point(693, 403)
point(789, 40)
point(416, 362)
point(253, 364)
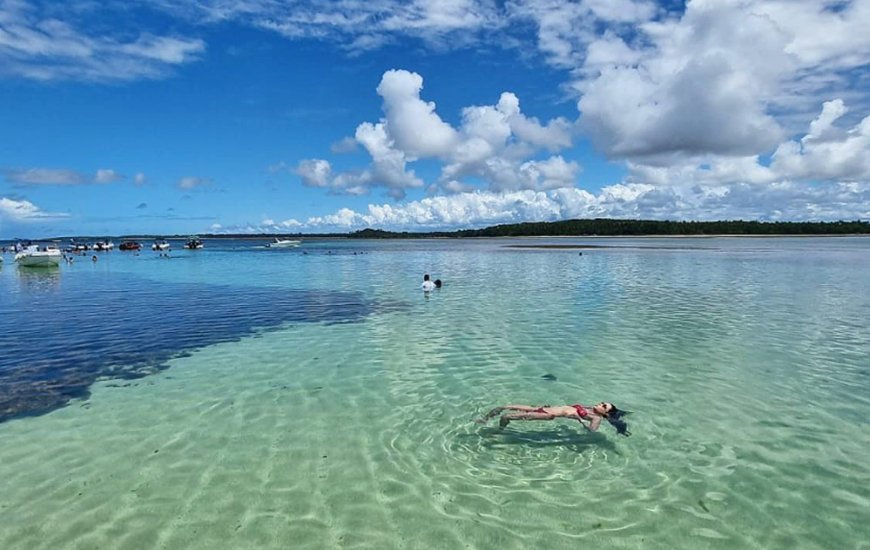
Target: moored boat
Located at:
point(160, 245)
point(130, 245)
point(75, 246)
point(104, 246)
point(193, 243)
point(283, 243)
point(39, 256)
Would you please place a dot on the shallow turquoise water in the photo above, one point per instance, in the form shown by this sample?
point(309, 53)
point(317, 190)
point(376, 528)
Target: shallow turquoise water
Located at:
point(746, 363)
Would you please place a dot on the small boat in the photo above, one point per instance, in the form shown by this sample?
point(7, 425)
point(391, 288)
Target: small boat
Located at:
point(283, 243)
point(75, 246)
point(103, 246)
point(160, 245)
point(39, 256)
point(129, 245)
point(193, 243)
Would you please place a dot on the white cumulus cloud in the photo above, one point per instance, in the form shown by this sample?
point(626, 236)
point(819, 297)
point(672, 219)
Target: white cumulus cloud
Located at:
point(25, 211)
point(497, 144)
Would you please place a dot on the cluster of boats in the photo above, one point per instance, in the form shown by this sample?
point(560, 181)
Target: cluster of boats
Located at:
point(48, 255)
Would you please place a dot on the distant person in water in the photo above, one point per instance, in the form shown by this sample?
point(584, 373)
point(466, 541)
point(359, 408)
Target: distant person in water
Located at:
point(437, 283)
point(590, 417)
point(427, 286)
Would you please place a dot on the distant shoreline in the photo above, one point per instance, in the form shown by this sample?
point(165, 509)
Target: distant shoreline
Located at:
point(321, 237)
point(577, 228)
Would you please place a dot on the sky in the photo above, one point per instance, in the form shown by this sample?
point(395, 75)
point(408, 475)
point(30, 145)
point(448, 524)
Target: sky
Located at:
point(312, 116)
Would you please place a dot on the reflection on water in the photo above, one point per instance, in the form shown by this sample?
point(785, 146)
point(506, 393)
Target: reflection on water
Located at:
point(39, 279)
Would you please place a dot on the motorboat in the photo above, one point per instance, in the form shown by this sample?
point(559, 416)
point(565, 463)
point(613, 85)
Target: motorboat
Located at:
point(283, 243)
point(193, 243)
point(130, 245)
point(39, 256)
point(75, 246)
point(104, 246)
point(160, 245)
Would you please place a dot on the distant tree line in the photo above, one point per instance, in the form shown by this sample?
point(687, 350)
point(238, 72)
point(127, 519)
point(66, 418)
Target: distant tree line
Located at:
point(612, 227)
point(577, 228)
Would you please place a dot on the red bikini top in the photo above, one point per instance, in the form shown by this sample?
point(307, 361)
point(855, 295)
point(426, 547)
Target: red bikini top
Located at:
point(581, 411)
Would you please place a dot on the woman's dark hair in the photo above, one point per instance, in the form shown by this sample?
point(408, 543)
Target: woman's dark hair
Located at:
point(438, 283)
point(615, 418)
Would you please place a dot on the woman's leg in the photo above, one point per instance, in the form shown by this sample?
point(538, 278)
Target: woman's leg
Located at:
point(506, 418)
point(497, 411)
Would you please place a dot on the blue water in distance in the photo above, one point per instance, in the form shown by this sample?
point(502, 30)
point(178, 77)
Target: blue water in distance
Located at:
point(62, 328)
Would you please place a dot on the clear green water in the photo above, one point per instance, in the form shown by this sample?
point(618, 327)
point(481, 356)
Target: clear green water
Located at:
point(746, 363)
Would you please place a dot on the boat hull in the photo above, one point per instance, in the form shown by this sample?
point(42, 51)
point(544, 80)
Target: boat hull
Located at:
point(38, 259)
point(284, 244)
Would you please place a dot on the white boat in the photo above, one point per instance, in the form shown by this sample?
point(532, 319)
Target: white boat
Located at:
point(75, 246)
point(160, 244)
point(39, 256)
point(103, 246)
point(283, 243)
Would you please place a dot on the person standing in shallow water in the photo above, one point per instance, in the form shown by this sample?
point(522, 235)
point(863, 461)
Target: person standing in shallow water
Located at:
point(427, 286)
point(590, 417)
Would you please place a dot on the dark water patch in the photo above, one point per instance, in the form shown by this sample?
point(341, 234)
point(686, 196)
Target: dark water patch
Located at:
point(60, 334)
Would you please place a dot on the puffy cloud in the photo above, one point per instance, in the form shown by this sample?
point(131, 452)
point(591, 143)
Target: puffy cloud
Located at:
point(314, 172)
point(780, 201)
point(566, 28)
point(140, 179)
point(412, 124)
point(494, 143)
point(25, 211)
point(827, 152)
point(725, 77)
point(702, 88)
point(388, 162)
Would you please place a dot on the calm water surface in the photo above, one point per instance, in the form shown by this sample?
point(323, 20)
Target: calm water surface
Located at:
point(241, 397)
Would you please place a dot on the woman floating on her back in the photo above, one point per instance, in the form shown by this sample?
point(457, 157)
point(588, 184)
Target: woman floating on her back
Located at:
point(590, 417)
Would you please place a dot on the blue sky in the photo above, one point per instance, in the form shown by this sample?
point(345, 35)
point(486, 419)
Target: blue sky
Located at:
point(313, 116)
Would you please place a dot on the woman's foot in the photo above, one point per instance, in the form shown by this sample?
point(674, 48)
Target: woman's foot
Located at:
point(495, 412)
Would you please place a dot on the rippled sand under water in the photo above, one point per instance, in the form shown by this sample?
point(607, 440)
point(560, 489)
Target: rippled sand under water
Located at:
point(344, 447)
point(749, 432)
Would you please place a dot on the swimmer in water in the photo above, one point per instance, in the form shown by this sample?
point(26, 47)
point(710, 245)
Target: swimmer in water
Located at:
point(589, 416)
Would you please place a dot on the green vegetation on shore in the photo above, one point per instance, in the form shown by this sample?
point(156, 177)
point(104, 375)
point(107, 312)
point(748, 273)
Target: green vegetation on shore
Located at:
point(611, 227)
point(575, 228)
